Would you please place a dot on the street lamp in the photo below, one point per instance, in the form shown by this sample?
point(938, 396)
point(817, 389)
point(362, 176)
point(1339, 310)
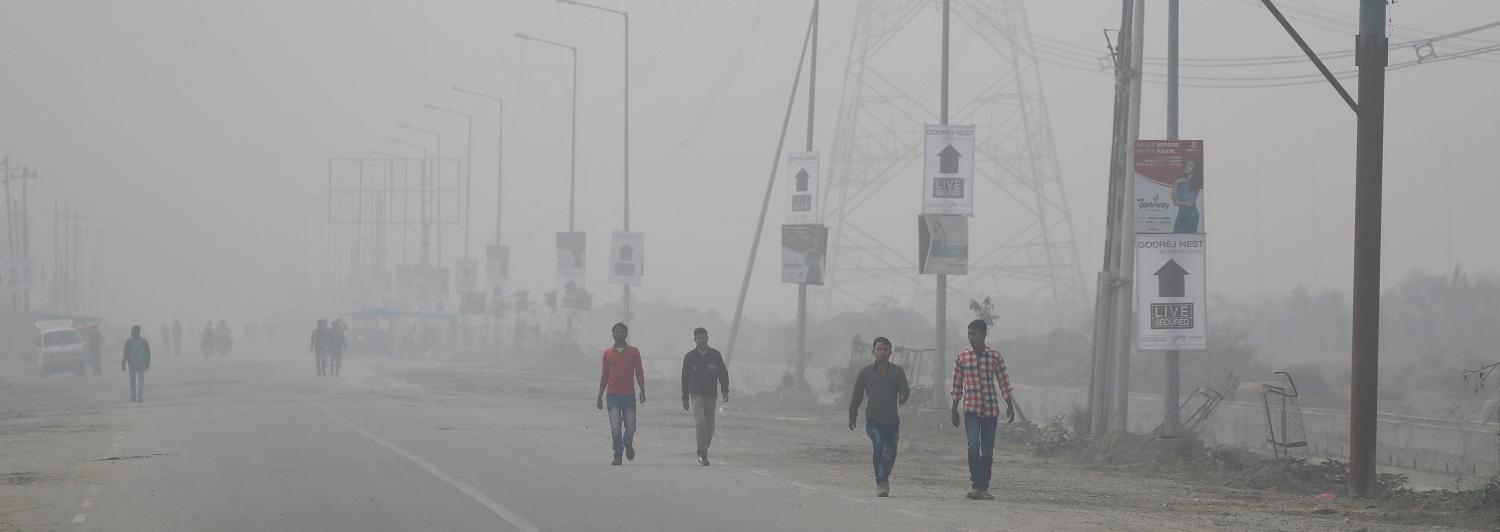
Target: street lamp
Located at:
point(438, 188)
point(500, 153)
point(625, 16)
point(468, 170)
point(573, 157)
point(422, 203)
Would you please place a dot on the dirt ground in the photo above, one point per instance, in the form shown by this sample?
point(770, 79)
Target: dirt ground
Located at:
point(786, 437)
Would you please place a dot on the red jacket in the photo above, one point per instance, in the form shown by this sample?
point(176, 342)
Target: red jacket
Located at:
point(619, 368)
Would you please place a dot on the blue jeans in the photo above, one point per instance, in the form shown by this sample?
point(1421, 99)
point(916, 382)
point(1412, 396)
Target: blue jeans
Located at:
point(981, 433)
point(137, 384)
point(883, 438)
point(621, 412)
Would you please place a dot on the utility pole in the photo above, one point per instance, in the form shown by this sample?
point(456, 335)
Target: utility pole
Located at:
point(1110, 279)
point(1125, 300)
point(940, 321)
point(1172, 417)
point(812, 90)
point(1371, 56)
point(27, 174)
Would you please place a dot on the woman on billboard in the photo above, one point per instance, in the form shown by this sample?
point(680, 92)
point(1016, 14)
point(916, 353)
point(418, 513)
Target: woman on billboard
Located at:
point(1185, 192)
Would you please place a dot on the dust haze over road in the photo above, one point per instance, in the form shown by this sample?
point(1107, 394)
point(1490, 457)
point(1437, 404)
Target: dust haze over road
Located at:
point(420, 172)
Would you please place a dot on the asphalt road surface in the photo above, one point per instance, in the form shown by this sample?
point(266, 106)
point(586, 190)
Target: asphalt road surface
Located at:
point(253, 442)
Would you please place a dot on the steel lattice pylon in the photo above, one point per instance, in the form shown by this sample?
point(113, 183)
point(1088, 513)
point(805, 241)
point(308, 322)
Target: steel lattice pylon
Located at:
point(1021, 237)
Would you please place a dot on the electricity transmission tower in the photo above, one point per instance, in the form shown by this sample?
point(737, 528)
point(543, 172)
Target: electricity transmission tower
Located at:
point(1021, 240)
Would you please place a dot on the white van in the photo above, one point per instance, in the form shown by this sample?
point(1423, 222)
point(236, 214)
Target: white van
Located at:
point(60, 349)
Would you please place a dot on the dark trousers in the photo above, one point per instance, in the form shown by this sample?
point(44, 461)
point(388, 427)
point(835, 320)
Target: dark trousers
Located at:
point(621, 421)
point(322, 363)
point(336, 361)
point(883, 438)
point(981, 433)
point(137, 384)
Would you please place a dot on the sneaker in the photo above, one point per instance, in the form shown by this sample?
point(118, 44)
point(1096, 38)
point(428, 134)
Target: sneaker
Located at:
point(973, 495)
point(616, 461)
point(702, 460)
point(882, 489)
point(985, 495)
point(630, 453)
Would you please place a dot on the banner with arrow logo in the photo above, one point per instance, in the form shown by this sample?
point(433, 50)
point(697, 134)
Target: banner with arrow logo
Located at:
point(948, 170)
point(802, 188)
point(1171, 292)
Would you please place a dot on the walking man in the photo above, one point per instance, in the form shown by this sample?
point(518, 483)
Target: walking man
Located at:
point(979, 382)
point(176, 347)
point(704, 376)
point(321, 342)
point(136, 360)
point(166, 338)
point(885, 385)
point(622, 362)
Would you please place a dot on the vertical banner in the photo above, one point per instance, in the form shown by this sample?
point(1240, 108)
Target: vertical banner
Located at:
point(467, 275)
point(570, 262)
point(802, 188)
point(1171, 292)
point(497, 270)
point(14, 276)
point(626, 258)
point(948, 170)
point(943, 240)
point(1169, 186)
point(804, 250)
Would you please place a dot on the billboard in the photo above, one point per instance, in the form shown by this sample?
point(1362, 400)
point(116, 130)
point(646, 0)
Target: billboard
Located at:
point(948, 170)
point(943, 240)
point(802, 188)
point(1169, 186)
point(627, 258)
point(571, 260)
point(804, 250)
point(1171, 293)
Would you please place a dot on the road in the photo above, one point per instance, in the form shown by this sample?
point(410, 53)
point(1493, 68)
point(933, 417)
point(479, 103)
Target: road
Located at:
point(256, 442)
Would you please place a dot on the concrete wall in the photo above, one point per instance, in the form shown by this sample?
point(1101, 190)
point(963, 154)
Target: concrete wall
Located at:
point(1423, 444)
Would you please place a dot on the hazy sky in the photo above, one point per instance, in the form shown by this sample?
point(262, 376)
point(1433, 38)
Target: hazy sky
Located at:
point(197, 134)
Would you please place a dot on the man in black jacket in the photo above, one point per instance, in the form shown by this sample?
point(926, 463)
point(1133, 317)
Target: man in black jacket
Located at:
point(704, 377)
point(886, 386)
point(138, 359)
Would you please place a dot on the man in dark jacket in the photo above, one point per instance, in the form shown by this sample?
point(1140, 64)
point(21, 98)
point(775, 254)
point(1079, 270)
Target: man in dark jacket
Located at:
point(336, 344)
point(885, 385)
point(704, 376)
point(137, 359)
point(322, 342)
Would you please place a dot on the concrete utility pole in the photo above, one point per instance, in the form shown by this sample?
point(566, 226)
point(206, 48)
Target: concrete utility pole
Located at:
point(1171, 416)
point(940, 321)
point(1110, 278)
point(1125, 298)
point(812, 100)
point(765, 203)
point(1371, 55)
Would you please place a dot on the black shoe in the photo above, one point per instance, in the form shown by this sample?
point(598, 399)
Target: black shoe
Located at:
point(630, 453)
point(702, 460)
point(616, 461)
point(972, 495)
point(883, 489)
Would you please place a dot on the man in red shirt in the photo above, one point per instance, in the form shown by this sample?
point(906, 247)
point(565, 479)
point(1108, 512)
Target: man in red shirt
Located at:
point(622, 363)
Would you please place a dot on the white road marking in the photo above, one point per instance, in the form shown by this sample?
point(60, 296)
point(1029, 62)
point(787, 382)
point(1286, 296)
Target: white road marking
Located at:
point(87, 503)
point(80, 518)
point(499, 509)
point(801, 485)
point(910, 513)
point(852, 499)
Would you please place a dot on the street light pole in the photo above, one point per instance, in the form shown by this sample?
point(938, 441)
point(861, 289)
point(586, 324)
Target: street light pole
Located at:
point(500, 155)
point(625, 16)
point(573, 134)
point(439, 189)
point(468, 170)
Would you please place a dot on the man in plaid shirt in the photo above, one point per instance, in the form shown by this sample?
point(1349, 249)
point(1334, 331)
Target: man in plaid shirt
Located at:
point(979, 382)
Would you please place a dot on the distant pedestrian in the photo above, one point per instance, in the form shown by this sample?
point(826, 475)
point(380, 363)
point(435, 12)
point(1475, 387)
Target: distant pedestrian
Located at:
point(166, 338)
point(321, 342)
point(336, 344)
point(176, 347)
point(96, 349)
point(979, 382)
point(886, 386)
point(136, 361)
point(622, 370)
point(704, 376)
